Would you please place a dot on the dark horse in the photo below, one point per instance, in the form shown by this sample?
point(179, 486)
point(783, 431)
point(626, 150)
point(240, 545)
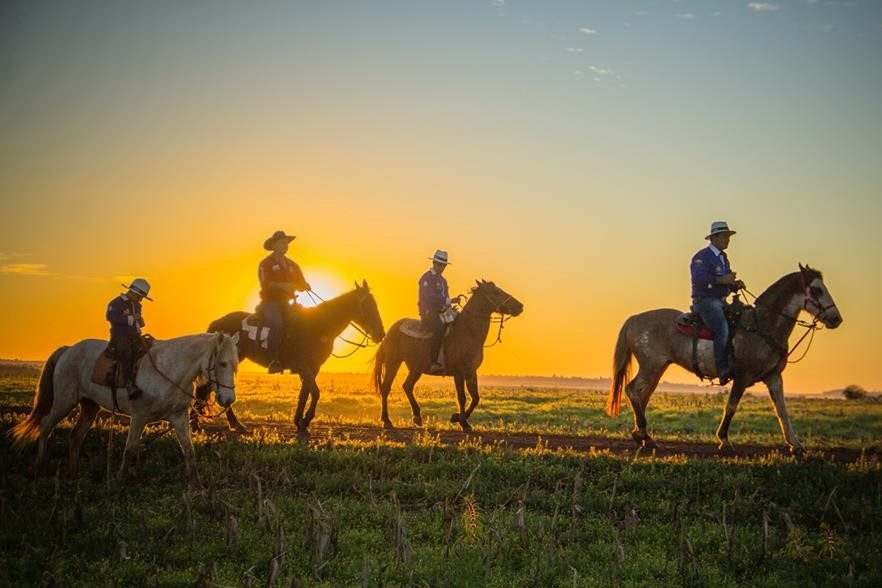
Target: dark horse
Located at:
point(309, 344)
point(463, 352)
point(760, 351)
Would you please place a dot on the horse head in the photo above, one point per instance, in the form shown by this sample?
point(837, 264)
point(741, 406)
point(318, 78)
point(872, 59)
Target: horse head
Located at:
point(497, 299)
point(220, 370)
point(818, 300)
point(368, 317)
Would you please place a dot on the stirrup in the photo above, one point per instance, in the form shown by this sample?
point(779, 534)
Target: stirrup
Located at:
point(134, 392)
point(436, 368)
point(275, 367)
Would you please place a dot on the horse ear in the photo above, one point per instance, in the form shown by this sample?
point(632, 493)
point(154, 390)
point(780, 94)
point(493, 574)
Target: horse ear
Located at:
point(801, 268)
point(236, 338)
point(478, 283)
point(364, 284)
point(356, 284)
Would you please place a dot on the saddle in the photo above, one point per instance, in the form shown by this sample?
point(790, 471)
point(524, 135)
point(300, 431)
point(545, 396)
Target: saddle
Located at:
point(254, 325)
point(690, 324)
point(107, 370)
point(414, 328)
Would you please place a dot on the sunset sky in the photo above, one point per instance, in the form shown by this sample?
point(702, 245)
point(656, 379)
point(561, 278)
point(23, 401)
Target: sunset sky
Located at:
point(575, 152)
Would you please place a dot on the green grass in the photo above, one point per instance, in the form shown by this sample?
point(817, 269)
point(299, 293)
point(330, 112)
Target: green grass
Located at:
point(353, 514)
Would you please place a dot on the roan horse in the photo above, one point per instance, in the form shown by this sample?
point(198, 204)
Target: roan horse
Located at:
point(463, 351)
point(760, 351)
point(309, 344)
point(166, 376)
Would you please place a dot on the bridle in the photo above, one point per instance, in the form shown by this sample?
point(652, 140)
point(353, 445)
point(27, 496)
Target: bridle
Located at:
point(366, 340)
point(806, 290)
point(497, 309)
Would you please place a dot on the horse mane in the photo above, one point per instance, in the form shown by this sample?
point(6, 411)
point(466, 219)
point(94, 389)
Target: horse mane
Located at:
point(776, 295)
point(329, 309)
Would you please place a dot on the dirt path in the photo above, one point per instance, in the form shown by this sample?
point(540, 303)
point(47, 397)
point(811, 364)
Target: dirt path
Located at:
point(322, 433)
point(582, 444)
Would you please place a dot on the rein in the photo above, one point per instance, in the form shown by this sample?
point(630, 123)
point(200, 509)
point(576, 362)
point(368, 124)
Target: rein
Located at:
point(810, 327)
point(366, 340)
point(197, 403)
point(501, 320)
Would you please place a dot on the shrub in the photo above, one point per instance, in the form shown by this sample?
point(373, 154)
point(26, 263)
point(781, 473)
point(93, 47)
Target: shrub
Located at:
point(854, 392)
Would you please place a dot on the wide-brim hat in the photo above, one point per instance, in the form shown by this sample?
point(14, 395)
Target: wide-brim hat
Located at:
point(440, 257)
point(719, 228)
point(268, 244)
point(140, 287)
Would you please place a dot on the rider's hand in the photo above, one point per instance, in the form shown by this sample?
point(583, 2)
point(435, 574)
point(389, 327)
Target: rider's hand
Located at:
point(739, 285)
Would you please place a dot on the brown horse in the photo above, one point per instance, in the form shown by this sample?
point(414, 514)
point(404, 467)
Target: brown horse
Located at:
point(308, 346)
point(463, 352)
point(760, 351)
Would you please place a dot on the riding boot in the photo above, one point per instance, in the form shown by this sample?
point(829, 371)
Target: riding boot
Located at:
point(275, 367)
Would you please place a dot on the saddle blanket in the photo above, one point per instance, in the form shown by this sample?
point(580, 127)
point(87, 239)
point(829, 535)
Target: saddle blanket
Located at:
point(689, 321)
point(414, 328)
point(258, 333)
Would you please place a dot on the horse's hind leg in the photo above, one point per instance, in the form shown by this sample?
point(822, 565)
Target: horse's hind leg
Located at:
point(314, 395)
point(88, 412)
point(62, 404)
point(409, 383)
point(731, 406)
point(639, 391)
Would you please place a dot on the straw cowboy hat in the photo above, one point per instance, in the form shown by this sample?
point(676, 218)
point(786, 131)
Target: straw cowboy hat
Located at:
point(268, 244)
point(140, 287)
point(440, 257)
point(718, 227)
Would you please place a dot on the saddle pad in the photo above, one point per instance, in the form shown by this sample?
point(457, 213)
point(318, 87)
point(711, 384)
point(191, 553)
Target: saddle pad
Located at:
point(414, 328)
point(104, 370)
point(258, 333)
point(687, 323)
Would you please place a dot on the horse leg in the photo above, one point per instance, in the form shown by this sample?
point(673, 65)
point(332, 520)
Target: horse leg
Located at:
point(235, 424)
point(136, 427)
point(181, 424)
point(61, 407)
point(638, 389)
point(775, 384)
point(472, 386)
point(314, 394)
point(390, 371)
point(301, 404)
point(88, 412)
point(461, 416)
point(408, 386)
point(731, 406)
point(201, 394)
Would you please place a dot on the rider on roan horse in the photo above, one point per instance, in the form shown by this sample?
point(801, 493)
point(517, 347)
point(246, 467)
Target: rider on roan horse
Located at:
point(124, 315)
point(434, 300)
point(712, 282)
point(280, 280)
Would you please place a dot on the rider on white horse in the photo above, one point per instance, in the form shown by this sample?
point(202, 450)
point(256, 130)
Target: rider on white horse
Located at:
point(126, 321)
point(712, 282)
point(280, 280)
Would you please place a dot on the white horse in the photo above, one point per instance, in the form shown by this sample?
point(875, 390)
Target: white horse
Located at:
point(166, 377)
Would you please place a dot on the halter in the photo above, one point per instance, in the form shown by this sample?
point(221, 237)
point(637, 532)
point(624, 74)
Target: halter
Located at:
point(806, 290)
point(502, 316)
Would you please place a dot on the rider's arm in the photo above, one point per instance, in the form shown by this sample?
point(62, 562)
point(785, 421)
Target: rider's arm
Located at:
point(702, 274)
point(116, 315)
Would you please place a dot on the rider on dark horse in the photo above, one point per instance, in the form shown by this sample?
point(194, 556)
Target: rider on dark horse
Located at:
point(280, 280)
point(712, 282)
point(126, 321)
point(435, 300)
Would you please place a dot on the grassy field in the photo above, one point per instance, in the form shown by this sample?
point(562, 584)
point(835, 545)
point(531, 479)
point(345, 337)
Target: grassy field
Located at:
point(369, 514)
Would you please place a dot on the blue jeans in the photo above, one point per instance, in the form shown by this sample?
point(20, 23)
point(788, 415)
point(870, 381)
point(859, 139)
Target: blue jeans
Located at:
point(711, 312)
point(274, 317)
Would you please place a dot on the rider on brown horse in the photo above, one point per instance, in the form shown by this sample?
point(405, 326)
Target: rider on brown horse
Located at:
point(434, 300)
point(124, 315)
point(280, 280)
point(712, 282)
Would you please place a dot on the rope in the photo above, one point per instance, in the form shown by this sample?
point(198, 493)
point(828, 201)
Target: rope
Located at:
point(365, 342)
point(810, 327)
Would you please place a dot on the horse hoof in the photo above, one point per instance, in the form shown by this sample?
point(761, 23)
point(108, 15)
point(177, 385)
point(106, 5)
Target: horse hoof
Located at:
point(418, 420)
point(797, 450)
point(240, 430)
point(388, 425)
point(649, 443)
point(454, 418)
point(726, 448)
point(466, 426)
point(638, 438)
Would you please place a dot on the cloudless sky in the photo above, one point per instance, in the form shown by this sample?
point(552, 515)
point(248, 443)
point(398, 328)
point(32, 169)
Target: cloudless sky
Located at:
point(573, 152)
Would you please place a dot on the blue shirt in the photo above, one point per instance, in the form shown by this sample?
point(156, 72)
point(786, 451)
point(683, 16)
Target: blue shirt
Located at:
point(124, 315)
point(707, 265)
point(433, 293)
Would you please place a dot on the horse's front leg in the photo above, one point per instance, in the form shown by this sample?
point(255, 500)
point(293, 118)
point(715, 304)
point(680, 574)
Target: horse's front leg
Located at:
point(181, 424)
point(474, 398)
point(306, 383)
point(775, 383)
point(314, 394)
point(136, 427)
point(460, 417)
point(728, 412)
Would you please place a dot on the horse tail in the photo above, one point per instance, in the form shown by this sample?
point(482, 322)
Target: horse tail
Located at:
point(379, 371)
point(621, 372)
point(28, 430)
